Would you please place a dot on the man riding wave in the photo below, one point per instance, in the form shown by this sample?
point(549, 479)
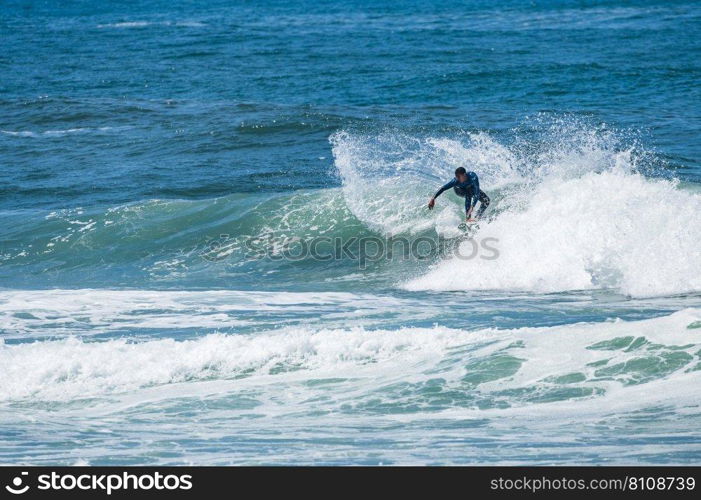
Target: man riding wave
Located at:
point(466, 185)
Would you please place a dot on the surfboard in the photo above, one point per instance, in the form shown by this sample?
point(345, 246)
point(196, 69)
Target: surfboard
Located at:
point(469, 228)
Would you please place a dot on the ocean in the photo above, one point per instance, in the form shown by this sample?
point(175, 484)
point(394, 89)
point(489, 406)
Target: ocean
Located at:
point(215, 247)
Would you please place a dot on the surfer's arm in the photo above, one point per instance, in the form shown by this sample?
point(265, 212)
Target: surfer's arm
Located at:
point(444, 188)
point(432, 201)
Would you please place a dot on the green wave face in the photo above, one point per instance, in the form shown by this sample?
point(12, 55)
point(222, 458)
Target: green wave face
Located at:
point(242, 237)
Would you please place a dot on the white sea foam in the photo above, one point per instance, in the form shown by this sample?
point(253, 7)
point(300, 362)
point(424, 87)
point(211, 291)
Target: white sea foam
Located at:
point(58, 132)
point(610, 230)
point(126, 24)
point(43, 312)
point(145, 24)
point(489, 368)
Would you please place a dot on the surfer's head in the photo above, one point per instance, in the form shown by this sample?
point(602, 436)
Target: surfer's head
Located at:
point(461, 174)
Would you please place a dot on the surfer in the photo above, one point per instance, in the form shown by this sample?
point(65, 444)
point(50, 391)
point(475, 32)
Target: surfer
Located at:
point(466, 185)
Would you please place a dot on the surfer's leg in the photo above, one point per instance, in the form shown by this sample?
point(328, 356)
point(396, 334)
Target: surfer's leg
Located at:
point(484, 203)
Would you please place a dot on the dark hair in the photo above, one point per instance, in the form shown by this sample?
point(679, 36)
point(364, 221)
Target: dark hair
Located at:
point(459, 171)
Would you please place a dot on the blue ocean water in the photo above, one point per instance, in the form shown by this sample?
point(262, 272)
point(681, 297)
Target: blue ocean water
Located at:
point(167, 167)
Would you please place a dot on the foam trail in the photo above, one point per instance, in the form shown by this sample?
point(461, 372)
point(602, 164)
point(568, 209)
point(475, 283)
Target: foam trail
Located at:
point(67, 312)
point(481, 369)
point(609, 230)
point(60, 132)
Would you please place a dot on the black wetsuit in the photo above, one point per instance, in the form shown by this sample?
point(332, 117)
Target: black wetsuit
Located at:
point(470, 190)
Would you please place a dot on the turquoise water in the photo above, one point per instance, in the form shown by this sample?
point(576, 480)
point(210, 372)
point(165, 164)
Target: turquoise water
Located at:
point(165, 169)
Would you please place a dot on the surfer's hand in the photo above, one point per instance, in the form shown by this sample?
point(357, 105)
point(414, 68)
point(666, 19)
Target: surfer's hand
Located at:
point(431, 203)
point(470, 219)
